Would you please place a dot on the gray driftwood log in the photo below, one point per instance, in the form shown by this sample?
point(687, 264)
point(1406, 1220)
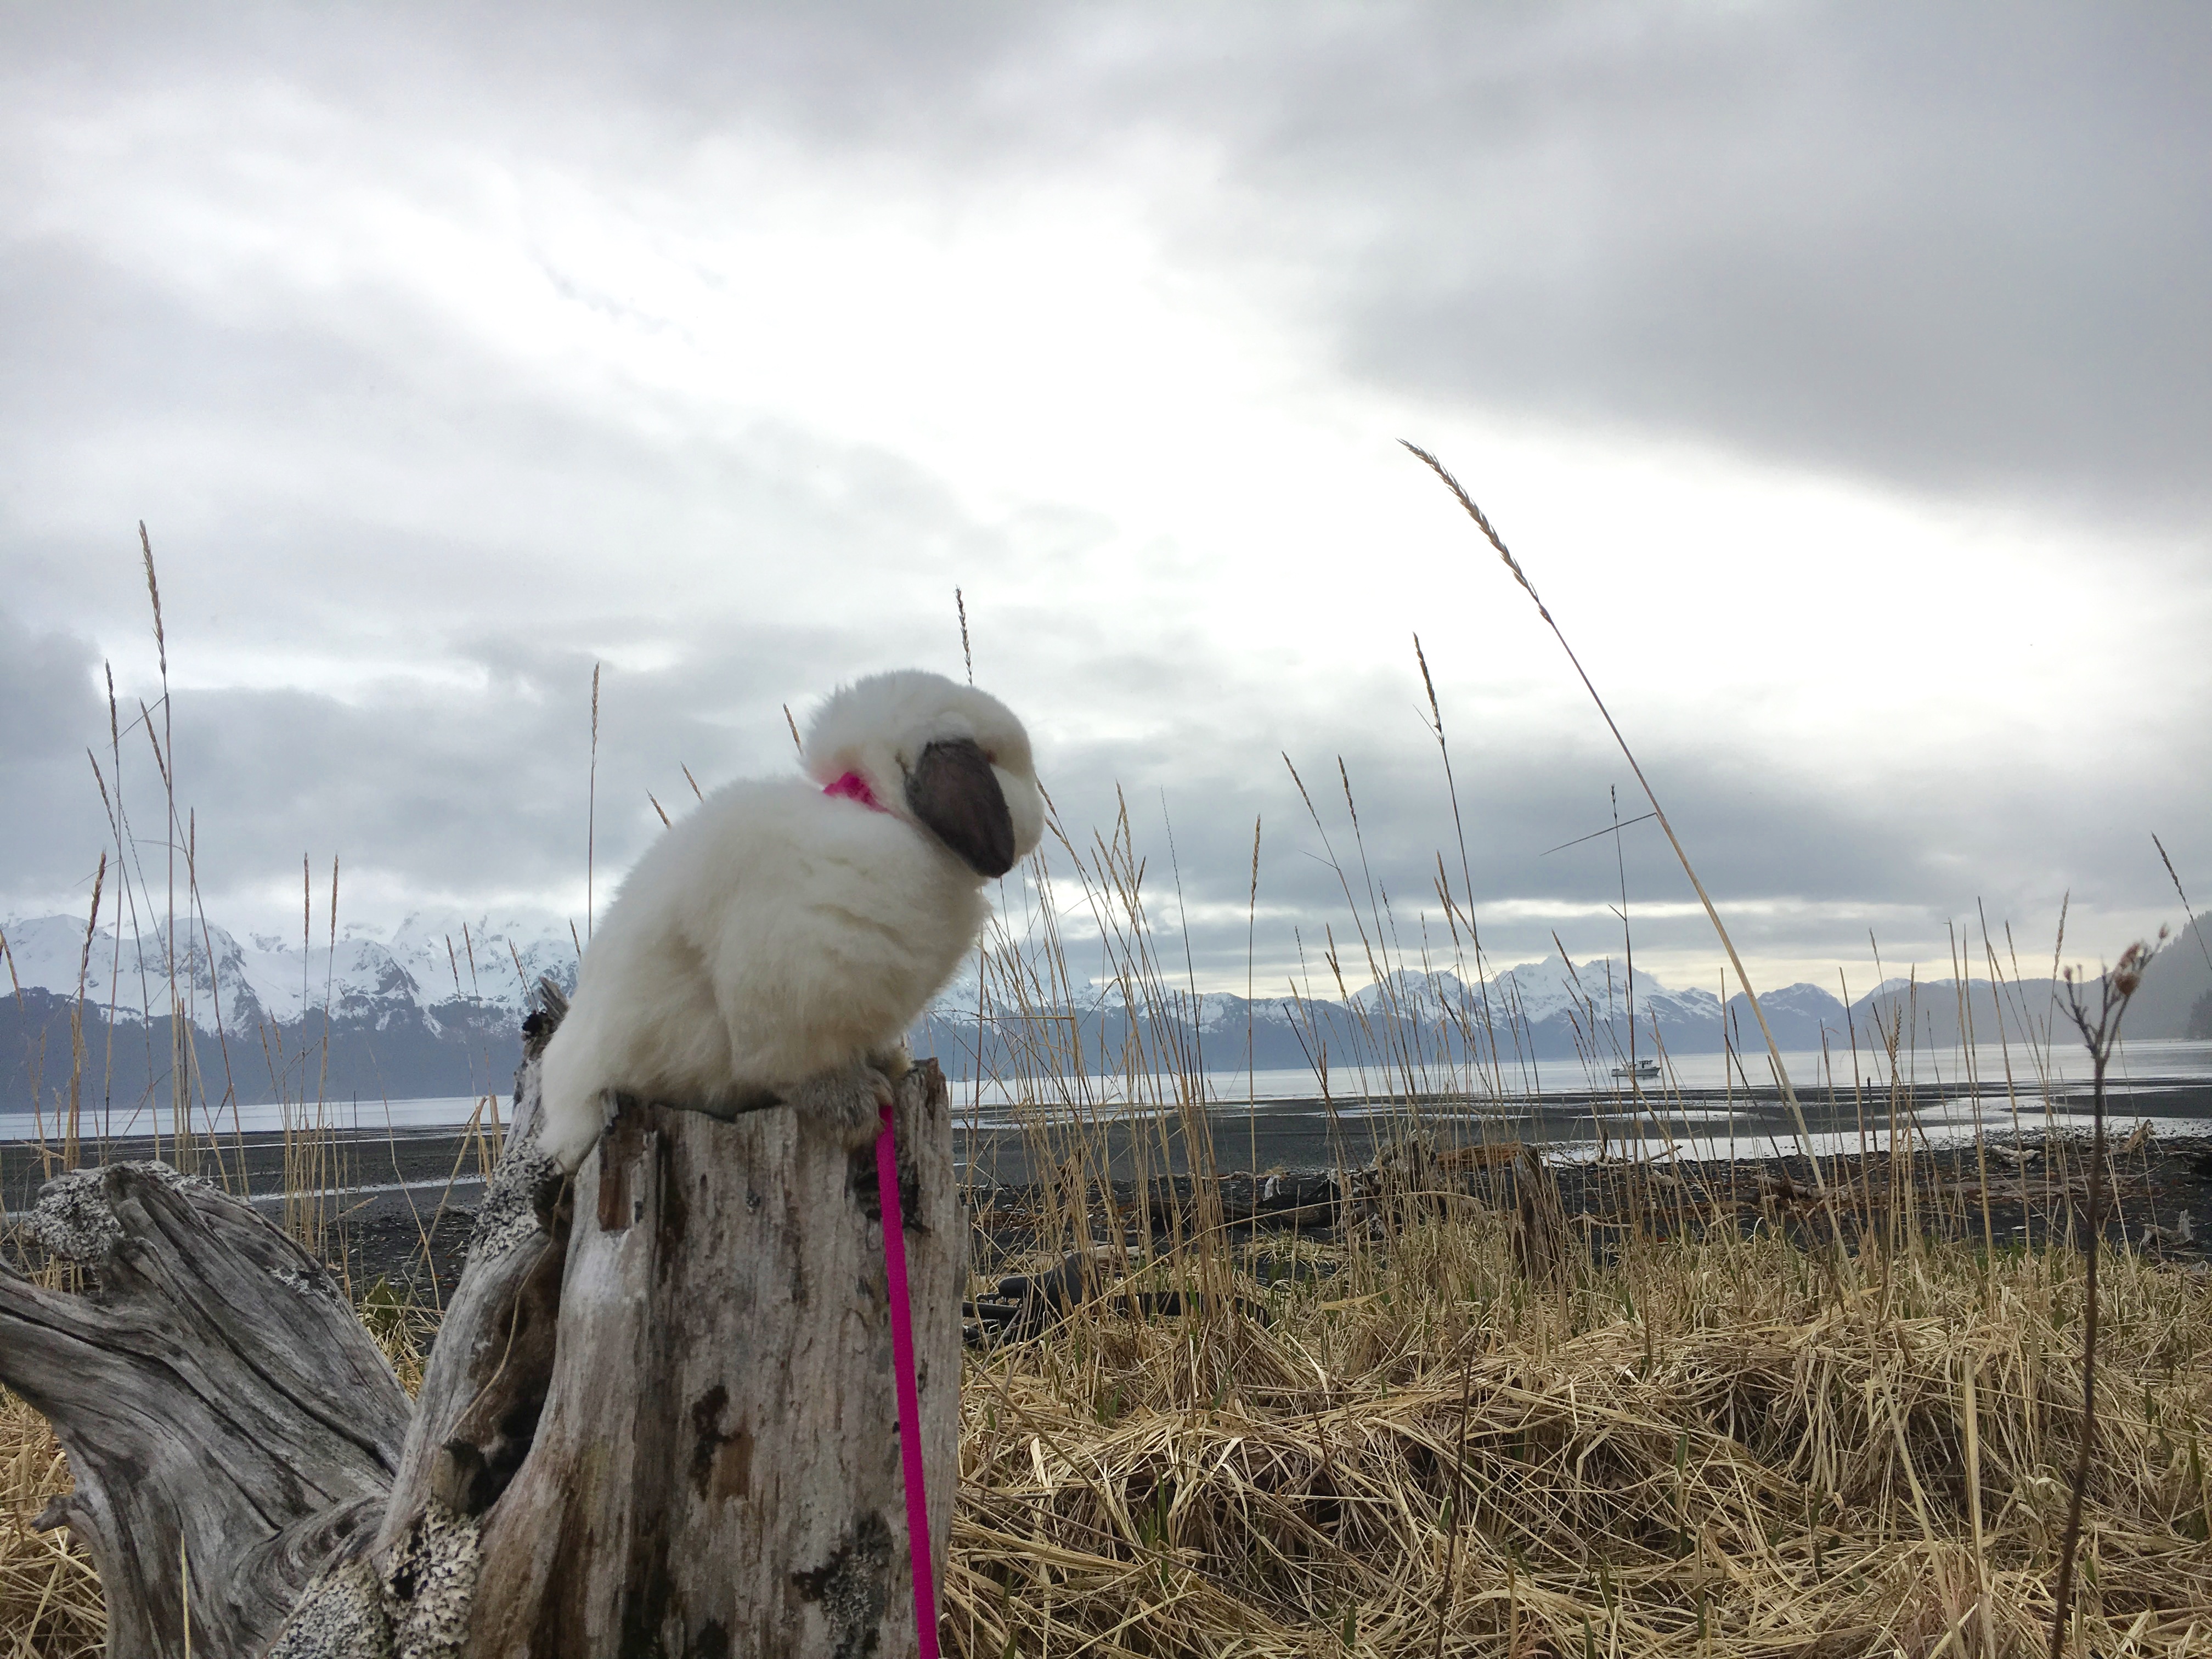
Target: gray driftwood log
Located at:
point(228, 1422)
point(658, 1419)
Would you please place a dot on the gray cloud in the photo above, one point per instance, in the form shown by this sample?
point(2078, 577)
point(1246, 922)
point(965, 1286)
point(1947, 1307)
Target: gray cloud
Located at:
point(1959, 255)
point(302, 482)
point(435, 798)
point(1804, 867)
point(51, 714)
point(1960, 250)
point(1902, 242)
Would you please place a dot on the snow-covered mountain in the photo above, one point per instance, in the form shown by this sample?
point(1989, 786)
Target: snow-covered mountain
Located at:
point(371, 1014)
point(1544, 1010)
point(434, 1005)
point(224, 984)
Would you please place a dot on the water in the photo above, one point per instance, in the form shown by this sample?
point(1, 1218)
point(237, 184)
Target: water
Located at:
point(2170, 1083)
point(372, 1116)
point(1692, 1115)
point(2155, 1066)
point(1987, 1065)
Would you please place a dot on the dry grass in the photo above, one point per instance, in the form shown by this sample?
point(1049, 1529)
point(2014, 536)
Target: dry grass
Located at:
point(1709, 1445)
point(1709, 1448)
point(49, 1594)
point(1704, 1448)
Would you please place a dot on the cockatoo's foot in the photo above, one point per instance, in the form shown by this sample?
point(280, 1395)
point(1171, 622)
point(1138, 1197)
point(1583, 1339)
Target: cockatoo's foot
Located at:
point(847, 1102)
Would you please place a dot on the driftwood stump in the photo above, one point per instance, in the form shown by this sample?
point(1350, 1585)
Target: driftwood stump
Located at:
point(659, 1418)
point(228, 1422)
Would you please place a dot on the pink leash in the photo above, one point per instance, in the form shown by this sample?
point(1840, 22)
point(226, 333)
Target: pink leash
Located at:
point(909, 1397)
point(851, 785)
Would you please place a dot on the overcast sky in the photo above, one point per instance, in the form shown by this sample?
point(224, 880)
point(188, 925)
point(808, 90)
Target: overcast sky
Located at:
point(1838, 373)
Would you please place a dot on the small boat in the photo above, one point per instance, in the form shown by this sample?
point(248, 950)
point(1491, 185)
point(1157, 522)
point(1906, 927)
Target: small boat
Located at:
point(1645, 1071)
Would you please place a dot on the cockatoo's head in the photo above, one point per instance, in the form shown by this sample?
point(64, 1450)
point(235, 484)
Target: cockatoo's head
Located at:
point(947, 758)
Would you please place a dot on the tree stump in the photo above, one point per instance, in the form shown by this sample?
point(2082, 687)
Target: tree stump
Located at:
point(659, 1418)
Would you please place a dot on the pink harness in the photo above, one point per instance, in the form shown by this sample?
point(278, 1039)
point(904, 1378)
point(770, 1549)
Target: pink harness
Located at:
point(853, 786)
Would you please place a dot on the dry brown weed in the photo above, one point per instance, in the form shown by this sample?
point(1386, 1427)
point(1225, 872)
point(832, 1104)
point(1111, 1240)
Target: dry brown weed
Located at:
point(1704, 1449)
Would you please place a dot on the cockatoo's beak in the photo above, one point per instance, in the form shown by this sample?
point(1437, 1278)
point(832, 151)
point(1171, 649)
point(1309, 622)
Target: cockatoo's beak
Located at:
point(955, 794)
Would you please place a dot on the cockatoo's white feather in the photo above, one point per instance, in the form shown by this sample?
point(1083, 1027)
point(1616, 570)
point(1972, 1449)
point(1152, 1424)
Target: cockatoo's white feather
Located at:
point(780, 939)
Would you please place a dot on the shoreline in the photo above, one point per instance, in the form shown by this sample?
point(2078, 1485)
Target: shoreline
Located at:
point(399, 1209)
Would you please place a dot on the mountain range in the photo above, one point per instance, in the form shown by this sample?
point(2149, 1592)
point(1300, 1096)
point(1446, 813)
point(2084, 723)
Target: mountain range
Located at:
point(433, 1007)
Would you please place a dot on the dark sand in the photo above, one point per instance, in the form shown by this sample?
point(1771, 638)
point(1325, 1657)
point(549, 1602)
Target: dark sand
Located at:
point(399, 1205)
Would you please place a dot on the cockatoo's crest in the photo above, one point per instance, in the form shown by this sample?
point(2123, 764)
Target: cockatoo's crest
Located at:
point(950, 759)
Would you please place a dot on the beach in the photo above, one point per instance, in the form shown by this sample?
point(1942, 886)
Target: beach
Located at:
point(397, 1202)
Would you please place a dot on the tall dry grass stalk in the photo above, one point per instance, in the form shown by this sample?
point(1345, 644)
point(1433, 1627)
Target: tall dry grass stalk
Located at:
point(591, 808)
point(2100, 1035)
point(2187, 909)
point(1773, 1049)
point(161, 915)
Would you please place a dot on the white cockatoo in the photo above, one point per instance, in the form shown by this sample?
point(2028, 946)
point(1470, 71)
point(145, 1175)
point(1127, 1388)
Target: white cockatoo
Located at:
point(778, 942)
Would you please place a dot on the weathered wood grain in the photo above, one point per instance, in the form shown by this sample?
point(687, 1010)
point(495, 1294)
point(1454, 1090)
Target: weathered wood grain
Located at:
point(717, 1468)
point(228, 1422)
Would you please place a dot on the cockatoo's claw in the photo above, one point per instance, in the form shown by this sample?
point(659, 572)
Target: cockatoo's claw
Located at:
point(847, 1102)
